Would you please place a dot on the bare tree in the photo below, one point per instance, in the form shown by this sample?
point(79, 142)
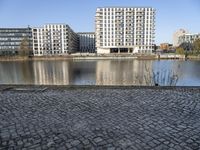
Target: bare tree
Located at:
point(24, 47)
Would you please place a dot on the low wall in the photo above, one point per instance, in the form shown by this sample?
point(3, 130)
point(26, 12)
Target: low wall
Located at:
point(170, 56)
point(13, 58)
point(101, 57)
point(194, 57)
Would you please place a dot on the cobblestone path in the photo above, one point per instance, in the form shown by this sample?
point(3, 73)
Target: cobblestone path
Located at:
point(85, 118)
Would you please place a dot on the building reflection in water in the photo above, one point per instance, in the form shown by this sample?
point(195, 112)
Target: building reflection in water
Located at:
point(123, 72)
point(16, 72)
point(51, 72)
point(64, 72)
point(98, 72)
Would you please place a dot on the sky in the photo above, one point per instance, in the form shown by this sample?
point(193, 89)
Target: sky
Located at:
point(171, 15)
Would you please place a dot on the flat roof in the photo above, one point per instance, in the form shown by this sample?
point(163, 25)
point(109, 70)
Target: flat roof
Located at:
point(56, 24)
point(126, 7)
point(10, 28)
point(85, 32)
point(192, 34)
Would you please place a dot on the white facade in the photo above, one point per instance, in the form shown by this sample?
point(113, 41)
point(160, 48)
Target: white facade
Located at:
point(54, 39)
point(124, 30)
point(87, 42)
point(188, 38)
point(176, 36)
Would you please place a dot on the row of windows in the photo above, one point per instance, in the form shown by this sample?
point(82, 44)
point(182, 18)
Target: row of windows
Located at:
point(49, 30)
point(50, 33)
point(126, 44)
point(9, 47)
point(132, 22)
point(130, 39)
point(119, 34)
point(49, 49)
point(85, 37)
point(15, 31)
point(49, 52)
point(87, 50)
point(51, 44)
point(15, 34)
point(11, 39)
point(128, 8)
point(55, 26)
point(123, 29)
point(190, 37)
point(129, 44)
point(49, 40)
point(121, 17)
point(121, 44)
point(88, 46)
point(125, 15)
point(127, 40)
point(9, 43)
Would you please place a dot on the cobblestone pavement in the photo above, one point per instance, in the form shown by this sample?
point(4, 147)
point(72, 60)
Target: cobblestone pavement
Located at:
point(86, 118)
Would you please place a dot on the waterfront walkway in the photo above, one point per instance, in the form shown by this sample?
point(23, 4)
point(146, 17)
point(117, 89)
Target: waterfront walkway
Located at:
point(99, 118)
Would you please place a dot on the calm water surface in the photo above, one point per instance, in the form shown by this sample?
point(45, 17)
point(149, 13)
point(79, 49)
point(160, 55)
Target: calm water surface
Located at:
point(100, 72)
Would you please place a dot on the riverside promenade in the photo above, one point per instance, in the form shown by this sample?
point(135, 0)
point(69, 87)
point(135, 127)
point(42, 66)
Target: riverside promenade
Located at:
point(113, 118)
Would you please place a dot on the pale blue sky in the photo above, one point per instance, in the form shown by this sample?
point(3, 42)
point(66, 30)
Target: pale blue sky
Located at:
point(79, 14)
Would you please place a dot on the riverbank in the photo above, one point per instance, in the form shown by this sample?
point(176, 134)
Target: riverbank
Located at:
point(99, 57)
point(56, 117)
point(14, 58)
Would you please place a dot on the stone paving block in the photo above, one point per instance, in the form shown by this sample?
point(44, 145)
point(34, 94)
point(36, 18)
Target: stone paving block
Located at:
point(102, 118)
point(75, 142)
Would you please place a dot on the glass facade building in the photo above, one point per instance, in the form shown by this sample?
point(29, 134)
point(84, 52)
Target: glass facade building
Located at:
point(86, 42)
point(11, 38)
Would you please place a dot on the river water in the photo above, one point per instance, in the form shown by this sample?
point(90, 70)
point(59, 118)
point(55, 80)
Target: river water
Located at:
point(101, 72)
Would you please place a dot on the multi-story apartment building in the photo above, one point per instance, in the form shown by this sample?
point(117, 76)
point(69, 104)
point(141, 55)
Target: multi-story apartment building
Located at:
point(11, 38)
point(188, 38)
point(176, 36)
point(54, 39)
point(86, 42)
point(125, 29)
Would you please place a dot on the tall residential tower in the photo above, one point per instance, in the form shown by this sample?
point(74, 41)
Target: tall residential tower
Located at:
point(125, 29)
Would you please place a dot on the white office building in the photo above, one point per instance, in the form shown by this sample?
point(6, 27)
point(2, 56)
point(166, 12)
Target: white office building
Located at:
point(176, 36)
point(86, 42)
point(54, 39)
point(125, 29)
point(188, 38)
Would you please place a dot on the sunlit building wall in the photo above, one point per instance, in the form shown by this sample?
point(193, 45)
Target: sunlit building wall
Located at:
point(112, 72)
point(188, 38)
point(176, 36)
point(125, 29)
point(54, 39)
